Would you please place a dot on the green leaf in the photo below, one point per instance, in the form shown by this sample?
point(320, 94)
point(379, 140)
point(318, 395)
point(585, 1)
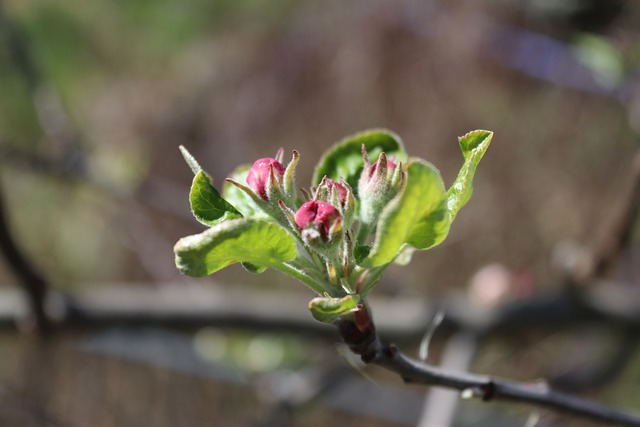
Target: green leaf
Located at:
point(431, 230)
point(360, 252)
point(191, 161)
point(328, 310)
point(252, 268)
point(473, 146)
point(405, 255)
point(345, 158)
point(405, 218)
point(249, 240)
point(239, 198)
point(206, 203)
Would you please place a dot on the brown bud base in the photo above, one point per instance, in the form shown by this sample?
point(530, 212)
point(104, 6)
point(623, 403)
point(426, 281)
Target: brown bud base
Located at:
point(359, 333)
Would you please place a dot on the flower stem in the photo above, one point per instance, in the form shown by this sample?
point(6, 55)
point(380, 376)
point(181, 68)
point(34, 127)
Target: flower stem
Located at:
point(372, 277)
point(295, 271)
point(363, 233)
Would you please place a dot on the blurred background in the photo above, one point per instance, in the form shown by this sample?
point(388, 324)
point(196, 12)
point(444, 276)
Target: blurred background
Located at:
point(96, 97)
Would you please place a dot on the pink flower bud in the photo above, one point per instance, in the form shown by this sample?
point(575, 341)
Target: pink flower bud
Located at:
point(342, 191)
point(390, 165)
point(379, 183)
point(258, 177)
point(321, 216)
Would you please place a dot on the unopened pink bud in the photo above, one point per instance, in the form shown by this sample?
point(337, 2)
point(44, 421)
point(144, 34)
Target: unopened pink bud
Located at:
point(258, 176)
point(342, 191)
point(320, 215)
point(379, 183)
point(390, 166)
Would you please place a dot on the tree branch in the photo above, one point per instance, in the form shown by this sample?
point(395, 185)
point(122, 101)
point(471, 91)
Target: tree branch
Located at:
point(51, 115)
point(619, 233)
point(35, 286)
point(360, 335)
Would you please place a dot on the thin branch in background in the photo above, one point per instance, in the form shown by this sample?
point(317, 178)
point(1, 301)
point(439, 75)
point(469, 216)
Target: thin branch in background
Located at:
point(34, 284)
point(52, 117)
point(145, 239)
point(619, 235)
point(18, 50)
point(603, 372)
point(423, 351)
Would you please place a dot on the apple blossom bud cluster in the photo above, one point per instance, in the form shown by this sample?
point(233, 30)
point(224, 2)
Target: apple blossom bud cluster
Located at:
point(361, 215)
point(324, 217)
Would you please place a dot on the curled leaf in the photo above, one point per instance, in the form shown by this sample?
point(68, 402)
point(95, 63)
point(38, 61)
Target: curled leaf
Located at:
point(473, 146)
point(327, 310)
point(206, 203)
point(344, 160)
point(259, 243)
point(252, 268)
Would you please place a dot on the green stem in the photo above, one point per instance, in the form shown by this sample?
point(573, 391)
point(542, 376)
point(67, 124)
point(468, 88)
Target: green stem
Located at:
point(295, 271)
point(373, 276)
point(363, 233)
point(334, 271)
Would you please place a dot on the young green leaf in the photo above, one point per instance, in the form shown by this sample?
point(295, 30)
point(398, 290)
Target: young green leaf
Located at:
point(252, 268)
point(328, 310)
point(191, 161)
point(431, 230)
point(206, 203)
point(253, 241)
point(473, 146)
point(360, 252)
point(423, 193)
point(239, 198)
point(345, 158)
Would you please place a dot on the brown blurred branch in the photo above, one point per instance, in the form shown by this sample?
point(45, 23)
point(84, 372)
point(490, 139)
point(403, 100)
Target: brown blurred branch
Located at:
point(33, 283)
point(52, 117)
point(17, 46)
point(187, 306)
point(184, 305)
point(619, 234)
point(360, 335)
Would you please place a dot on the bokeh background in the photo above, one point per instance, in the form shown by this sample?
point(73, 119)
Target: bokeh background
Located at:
point(95, 98)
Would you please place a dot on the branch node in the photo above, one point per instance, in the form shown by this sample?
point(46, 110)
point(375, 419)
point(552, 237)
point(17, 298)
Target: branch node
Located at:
point(485, 392)
point(391, 350)
point(488, 391)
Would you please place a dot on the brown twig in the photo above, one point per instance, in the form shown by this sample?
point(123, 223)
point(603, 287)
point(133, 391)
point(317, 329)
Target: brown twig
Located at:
point(33, 283)
point(363, 340)
point(619, 235)
point(51, 115)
